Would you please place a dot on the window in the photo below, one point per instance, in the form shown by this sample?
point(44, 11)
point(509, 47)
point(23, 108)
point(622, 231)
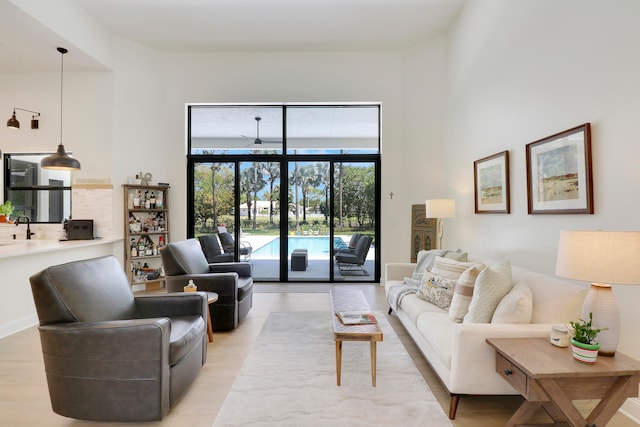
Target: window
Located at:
point(41, 194)
point(287, 178)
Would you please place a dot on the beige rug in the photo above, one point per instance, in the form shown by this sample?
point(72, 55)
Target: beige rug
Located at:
point(289, 379)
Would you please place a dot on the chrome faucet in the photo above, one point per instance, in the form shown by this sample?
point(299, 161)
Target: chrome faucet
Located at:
point(29, 233)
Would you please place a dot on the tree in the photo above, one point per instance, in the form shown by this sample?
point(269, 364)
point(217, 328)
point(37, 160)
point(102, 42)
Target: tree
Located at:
point(272, 170)
point(322, 170)
point(213, 192)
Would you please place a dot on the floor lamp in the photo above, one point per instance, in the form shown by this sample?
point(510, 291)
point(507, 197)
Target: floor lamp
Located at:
point(602, 258)
point(439, 209)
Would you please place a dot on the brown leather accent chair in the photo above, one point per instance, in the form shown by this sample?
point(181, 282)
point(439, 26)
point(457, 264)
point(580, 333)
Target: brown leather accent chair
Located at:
point(232, 281)
point(112, 356)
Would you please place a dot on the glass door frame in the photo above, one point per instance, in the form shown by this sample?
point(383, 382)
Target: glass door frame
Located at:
point(284, 159)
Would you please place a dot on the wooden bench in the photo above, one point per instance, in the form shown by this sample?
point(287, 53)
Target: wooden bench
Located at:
point(353, 300)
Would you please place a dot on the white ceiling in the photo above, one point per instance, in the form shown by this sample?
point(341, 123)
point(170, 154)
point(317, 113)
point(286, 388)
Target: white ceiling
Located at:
point(231, 25)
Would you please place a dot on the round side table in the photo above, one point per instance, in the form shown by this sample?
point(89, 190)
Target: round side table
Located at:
point(211, 298)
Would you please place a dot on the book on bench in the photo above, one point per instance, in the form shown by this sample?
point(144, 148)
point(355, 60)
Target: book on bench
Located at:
point(356, 317)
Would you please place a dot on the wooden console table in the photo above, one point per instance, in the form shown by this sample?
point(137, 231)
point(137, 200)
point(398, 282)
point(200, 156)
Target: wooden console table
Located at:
point(548, 376)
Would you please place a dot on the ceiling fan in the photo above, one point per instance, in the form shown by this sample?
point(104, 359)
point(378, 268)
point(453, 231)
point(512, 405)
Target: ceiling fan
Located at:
point(257, 140)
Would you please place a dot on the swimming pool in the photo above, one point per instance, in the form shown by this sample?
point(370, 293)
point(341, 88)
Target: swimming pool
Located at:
point(318, 246)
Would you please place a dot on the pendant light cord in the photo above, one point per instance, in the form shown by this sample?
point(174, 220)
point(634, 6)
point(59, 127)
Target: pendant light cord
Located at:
point(62, 51)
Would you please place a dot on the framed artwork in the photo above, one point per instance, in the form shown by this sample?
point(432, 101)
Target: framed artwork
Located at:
point(559, 177)
point(491, 181)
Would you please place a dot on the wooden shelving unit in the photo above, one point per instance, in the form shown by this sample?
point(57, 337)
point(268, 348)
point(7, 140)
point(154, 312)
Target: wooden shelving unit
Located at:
point(146, 226)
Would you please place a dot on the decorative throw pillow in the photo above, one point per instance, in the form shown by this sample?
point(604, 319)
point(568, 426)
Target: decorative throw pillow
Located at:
point(516, 306)
point(436, 289)
point(425, 262)
point(463, 292)
point(492, 284)
point(449, 268)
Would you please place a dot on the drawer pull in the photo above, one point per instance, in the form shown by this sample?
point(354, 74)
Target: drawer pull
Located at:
point(508, 371)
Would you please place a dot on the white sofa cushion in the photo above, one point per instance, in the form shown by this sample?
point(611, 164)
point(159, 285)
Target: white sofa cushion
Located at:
point(554, 300)
point(516, 306)
point(492, 284)
point(437, 329)
point(413, 306)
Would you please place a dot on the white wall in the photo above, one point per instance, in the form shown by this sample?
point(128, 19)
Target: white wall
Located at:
point(520, 71)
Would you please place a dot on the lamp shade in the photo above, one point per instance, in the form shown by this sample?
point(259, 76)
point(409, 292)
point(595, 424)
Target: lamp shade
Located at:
point(13, 122)
point(440, 208)
point(600, 256)
point(60, 161)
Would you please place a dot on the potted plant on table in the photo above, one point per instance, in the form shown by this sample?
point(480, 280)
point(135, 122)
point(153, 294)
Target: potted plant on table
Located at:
point(584, 343)
point(6, 209)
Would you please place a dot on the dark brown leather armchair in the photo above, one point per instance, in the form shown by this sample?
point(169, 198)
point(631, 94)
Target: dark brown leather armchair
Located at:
point(110, 356)
point(232, 281)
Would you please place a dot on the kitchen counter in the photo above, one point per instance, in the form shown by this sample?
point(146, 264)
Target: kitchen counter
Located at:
point(17, 248)
point(20, 259)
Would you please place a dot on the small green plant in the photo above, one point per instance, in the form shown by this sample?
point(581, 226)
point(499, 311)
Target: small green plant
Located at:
point(6, 208)
point(584, 332)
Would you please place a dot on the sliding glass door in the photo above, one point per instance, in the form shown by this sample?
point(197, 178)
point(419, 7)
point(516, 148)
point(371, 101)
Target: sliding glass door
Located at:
point(294, 186)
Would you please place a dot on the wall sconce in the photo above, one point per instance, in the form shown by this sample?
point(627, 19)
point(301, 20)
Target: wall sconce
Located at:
point(15, 124)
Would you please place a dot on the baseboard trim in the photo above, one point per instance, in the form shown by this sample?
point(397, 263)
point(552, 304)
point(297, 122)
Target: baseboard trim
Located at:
point(18, 325)
point(631, 408)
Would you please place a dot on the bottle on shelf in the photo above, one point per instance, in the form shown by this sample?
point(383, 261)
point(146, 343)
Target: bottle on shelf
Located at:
point(136, 200)
point(152, 201)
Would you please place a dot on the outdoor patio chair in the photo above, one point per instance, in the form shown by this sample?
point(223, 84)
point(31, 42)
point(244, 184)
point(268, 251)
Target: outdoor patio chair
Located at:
point(355, 261)
point(351, 246)
point(229, 245)
point(212, 250)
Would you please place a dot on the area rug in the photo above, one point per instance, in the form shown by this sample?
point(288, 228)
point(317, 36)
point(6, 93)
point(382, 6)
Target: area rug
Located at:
point(289, 379)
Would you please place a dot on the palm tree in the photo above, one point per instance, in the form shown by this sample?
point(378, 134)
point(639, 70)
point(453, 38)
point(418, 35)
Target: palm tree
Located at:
point(307, 179)
point(272, 169)
point(322, 171)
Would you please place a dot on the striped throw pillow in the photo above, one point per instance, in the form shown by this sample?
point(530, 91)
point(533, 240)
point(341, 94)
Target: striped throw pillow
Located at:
point(463, 292)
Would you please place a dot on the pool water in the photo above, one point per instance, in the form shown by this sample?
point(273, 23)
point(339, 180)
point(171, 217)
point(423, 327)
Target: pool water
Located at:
point(318, 246)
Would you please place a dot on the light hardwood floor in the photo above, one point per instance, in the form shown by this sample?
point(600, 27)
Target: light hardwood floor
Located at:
point(24, 399)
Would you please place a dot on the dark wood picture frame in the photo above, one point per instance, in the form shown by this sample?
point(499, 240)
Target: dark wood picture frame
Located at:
point(491, 184)
point(559, 174)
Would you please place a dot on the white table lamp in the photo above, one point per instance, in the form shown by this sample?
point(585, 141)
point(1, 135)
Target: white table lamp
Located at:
point(439, 209)
point(602, 258)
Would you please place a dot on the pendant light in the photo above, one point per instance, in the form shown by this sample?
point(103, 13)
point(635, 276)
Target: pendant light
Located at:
point(60, 160)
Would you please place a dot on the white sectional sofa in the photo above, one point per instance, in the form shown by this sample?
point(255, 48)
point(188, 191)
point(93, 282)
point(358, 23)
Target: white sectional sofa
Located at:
point(458, 352)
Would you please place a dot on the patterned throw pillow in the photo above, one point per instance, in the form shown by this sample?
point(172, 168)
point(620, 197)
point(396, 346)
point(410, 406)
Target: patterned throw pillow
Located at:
point(449, 268)
point(492, 284)
point(436, 289)
point(463, 292)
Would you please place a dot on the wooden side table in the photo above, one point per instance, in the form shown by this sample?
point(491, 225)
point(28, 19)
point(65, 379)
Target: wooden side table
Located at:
point(353, 300)
point(548, 376)
point(211, 298)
